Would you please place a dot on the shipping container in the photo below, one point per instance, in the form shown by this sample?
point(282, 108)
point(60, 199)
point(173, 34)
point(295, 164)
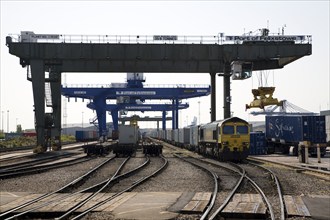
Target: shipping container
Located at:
point(284, 132)
point(176, 136)
point(327, 127)
point(168, 135)
point(88, 135)
point(186, 136)
point(128, 134)
point(9, 136)
point(193, 136)
point(293, 129)
point(258, 144)
point(29, 134)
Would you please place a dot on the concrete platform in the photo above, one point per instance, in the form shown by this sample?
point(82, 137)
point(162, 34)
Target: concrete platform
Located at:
point(318, 206)
point(294, 161)
point(132, 205)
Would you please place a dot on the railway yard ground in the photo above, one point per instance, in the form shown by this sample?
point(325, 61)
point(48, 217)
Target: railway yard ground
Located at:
point(182, 190)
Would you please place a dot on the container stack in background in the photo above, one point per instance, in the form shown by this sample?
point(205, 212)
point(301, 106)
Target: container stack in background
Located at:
point(258, 144)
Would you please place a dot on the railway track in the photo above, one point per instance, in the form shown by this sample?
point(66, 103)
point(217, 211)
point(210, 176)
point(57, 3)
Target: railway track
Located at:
point(316, 172)
point(246, 183)
point(275, 195)
point(7, 156)
point(34, 161)
point(92, 190)
point(127, 189)
point(215, 179)
point(36, 166)
point(47, 195)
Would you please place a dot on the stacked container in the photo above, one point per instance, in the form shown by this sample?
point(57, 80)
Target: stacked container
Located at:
point(258, 143)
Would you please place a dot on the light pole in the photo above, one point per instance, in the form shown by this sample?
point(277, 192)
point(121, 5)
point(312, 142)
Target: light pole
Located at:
point(82, 120)
point(7, 121)
point(2, 122)
point(16, 124)
point(199, 112)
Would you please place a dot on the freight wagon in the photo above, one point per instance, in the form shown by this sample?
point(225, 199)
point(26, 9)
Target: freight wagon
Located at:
point(128, 140)
point(284, 132)
point(193, 137)
point(181, 137)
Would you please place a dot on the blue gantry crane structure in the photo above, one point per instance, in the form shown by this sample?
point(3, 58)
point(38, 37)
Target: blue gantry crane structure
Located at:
point(115, 108)
point(131, 96)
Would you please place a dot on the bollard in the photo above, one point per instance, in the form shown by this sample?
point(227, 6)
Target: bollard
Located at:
point(300, 154)
point(306, 154)
point(318, 153)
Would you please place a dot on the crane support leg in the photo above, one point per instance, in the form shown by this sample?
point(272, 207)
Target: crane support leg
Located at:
point(213, 97)
point(114, 115)
point(164, 120)
point(176, 114)
point(173, 114)
point(100, 105)
point(38, 87)
point(226, 94)
point(56, 105)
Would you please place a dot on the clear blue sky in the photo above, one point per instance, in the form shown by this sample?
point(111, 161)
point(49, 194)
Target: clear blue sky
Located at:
point(304, 82)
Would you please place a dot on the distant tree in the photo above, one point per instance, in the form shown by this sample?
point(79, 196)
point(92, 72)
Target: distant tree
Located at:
point(19, 129)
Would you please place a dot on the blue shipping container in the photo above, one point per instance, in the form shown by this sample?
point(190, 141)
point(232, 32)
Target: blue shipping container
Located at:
point(79, 135)
point(258, 143)
point(293, 129)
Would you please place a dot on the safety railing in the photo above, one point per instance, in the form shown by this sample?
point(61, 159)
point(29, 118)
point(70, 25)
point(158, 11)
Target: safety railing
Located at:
point(144, 86)
point(153, 39)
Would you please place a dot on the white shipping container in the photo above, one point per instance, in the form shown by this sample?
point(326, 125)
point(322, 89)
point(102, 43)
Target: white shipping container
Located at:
point(176, 136)
point(186, 135)
point(194, 136)
point(128, 134)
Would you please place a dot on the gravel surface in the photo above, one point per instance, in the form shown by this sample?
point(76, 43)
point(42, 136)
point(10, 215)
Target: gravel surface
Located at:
point(103, 173)
point(178, 176)
point(300, 184)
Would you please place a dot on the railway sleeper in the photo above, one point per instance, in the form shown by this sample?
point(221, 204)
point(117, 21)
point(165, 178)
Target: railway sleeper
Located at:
point(97, 149)
point(153, 149)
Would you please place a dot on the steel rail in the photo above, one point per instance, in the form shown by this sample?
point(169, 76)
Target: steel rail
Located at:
point(81, 191)
point(231, 194)
point(304, 169)
point(6, 168)
point(31, 170)
point(136, 183)
point(256, 186)
point(80, 204)
point(278, 186)
point(215, 191)
point(243, 175)
point(56, 191)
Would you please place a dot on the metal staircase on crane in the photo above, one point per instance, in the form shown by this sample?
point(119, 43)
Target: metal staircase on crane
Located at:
point(48, 95)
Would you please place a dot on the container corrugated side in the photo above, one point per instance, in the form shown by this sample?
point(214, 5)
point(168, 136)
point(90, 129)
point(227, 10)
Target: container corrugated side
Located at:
point(175, 136)
point(127, 134)
point(314, 129)
point(79, 135)
point(327, 127)
point(257, 143)
point(186, 135)
point(293, 129)
point(193, 136)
